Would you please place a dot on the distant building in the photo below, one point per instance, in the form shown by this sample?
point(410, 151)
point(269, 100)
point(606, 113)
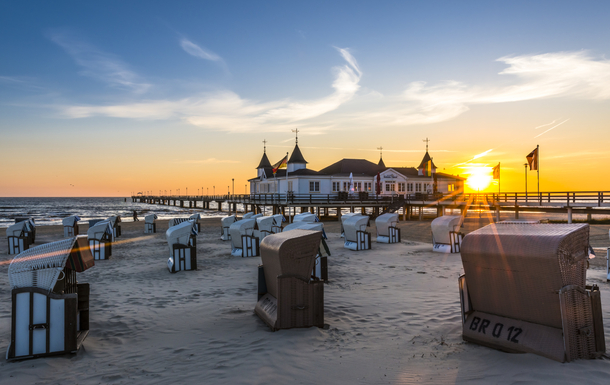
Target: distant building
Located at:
point(336, 178)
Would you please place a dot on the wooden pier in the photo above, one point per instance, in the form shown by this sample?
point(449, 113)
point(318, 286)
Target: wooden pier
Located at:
point(409, 206)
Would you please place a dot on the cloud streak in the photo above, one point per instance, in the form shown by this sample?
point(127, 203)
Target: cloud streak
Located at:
point(195, 50)
point(97, 64)
point(551, 128)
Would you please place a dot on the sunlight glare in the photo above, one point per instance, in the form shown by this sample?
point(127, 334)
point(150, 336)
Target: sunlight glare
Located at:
point(480, 178)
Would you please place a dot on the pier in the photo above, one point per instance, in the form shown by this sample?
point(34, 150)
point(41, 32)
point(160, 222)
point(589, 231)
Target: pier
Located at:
point(409, 206)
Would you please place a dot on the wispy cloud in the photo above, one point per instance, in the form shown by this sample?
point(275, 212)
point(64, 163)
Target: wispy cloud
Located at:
point(557, 125)
point(98, 64)
point(195, 50)
point(227, 111)
point(206, 161)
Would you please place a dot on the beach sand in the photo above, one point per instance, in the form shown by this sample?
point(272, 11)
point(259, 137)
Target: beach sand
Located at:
point(393, 316)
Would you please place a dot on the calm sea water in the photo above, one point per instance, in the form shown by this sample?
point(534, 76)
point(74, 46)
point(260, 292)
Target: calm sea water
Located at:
point(50, 211)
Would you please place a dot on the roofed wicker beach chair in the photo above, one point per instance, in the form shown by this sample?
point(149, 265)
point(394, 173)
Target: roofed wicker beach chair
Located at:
point(344, 217)
point(30, 231)
point(277, 225)
point(446, 235)
point(70, 226)
point(356, 236)
point(182, 241)
point(50, 308)
point(387, 232)
point(263, 227)
point(305, 217)
point(196, 217)
point(17, 237)
point(243, 241)
point(116, 228)
point(320, 270)
point(150, 227)
point(247, 215)
point(100, 239)
point(287, 297)
point(524, 290)
point(225, 224)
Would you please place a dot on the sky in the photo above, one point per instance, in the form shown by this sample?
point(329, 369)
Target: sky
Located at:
point(111, 98)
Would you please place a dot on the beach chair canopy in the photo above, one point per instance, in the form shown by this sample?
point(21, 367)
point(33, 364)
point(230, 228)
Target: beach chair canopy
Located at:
point(517, 270)
point(114, 220)
point(196, 217)
point(180, 233)
point(42, 265)
point(353, 224)
point(227, 221)
point(441, 227)
point(255, 216)
point(150, 218)
point(305, 217)
point(239, 228)
point(17, 229)
point(289, 254)
point(317, 226)
point(98, 230)
point(71, 220)
point(247, 215)
point(278, 219)
point(31, 221)
point(384, 222)
point(265, 223)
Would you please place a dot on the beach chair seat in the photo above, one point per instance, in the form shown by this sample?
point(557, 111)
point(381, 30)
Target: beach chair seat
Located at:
point(287, 297)
point(387, 232)
point(17, 237)
point(100, 239)
point(356, 236)
point(225, 224)
point(243, 241)
point(524, 290)
point(182, 241)
point(446, 235)
point(70, 226)
point(150, 227)
point(320, 269)
point(50, 308)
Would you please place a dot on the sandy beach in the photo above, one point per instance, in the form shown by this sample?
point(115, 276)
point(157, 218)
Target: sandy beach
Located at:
point(392, 315)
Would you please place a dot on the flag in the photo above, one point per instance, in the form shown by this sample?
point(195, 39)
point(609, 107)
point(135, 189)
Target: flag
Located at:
point(532, 159)
point(427, 169)
point(496, 171)
point(280, 164)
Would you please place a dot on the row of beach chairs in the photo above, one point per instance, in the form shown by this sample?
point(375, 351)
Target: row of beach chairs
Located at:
point(523, 289)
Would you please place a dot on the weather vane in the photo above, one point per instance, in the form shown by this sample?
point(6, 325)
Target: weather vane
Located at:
point(380, 151)
point(426, 140)
point(297, 135)
point(265, 146)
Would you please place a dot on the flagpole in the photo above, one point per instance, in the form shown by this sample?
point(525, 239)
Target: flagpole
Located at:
point(538, 167)
point(499, 179)
point(286, 179)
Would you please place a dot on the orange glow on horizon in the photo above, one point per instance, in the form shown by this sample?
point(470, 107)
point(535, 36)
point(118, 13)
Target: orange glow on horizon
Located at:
point(479, 178)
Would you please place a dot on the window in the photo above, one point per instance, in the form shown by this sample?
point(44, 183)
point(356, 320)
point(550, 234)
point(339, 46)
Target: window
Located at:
point(357, 186)
point(417, 186)
point(314, 186)
point(368, 186)
point(390, 187)
point(401, 187)
point(409, 186)
point(336, 186)
point(344, 186)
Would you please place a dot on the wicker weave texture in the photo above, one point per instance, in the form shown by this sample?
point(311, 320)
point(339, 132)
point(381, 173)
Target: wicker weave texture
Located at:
point(577, 318)
point(516, 270)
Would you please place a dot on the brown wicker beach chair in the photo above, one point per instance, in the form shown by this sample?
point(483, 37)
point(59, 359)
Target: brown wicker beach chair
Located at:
point(524, 291)
point(288, 297)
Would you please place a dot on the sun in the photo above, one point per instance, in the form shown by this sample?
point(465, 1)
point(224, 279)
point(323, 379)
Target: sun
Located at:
point(480, 178)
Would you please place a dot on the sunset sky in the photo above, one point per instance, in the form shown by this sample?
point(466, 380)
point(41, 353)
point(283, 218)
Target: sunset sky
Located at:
point(108, 98)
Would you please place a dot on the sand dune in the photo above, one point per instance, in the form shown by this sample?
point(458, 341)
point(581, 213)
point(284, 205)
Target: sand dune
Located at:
point(392, 316)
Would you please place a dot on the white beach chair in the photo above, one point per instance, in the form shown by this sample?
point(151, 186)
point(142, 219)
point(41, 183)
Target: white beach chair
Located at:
point(225, 224)
point(30, 230)
point(150, 227)
point(50, 309)
point(247, 215)
point(18, 240)
point(356, 236)
point(387, 232)
point(264, 227)
point(100, 240)
point(196, 218)
point(243, 241)
point(116, 228)
point(446, 235)
point(345, 217)
point(182, 243)
point(305, 217)
point(277, 225)
point(320, 269)
point(70, 226)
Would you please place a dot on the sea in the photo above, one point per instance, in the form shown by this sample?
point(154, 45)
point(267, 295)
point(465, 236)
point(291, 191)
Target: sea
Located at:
point(50, 211)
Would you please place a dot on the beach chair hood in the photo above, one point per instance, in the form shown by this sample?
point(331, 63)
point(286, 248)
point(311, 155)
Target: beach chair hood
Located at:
point(353, 224)
point(239, 228)
point(150, 218)
point(98, 230)
point(70, 221)
point(441, 227)
point(17, 228)
point(384, 221)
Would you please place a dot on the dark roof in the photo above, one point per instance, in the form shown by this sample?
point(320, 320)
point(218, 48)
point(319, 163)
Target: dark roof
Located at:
point(381, 164)
point(296, 156)
point(354, 166)
point(282, 173)
point(426, 159)
point(264, 162)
